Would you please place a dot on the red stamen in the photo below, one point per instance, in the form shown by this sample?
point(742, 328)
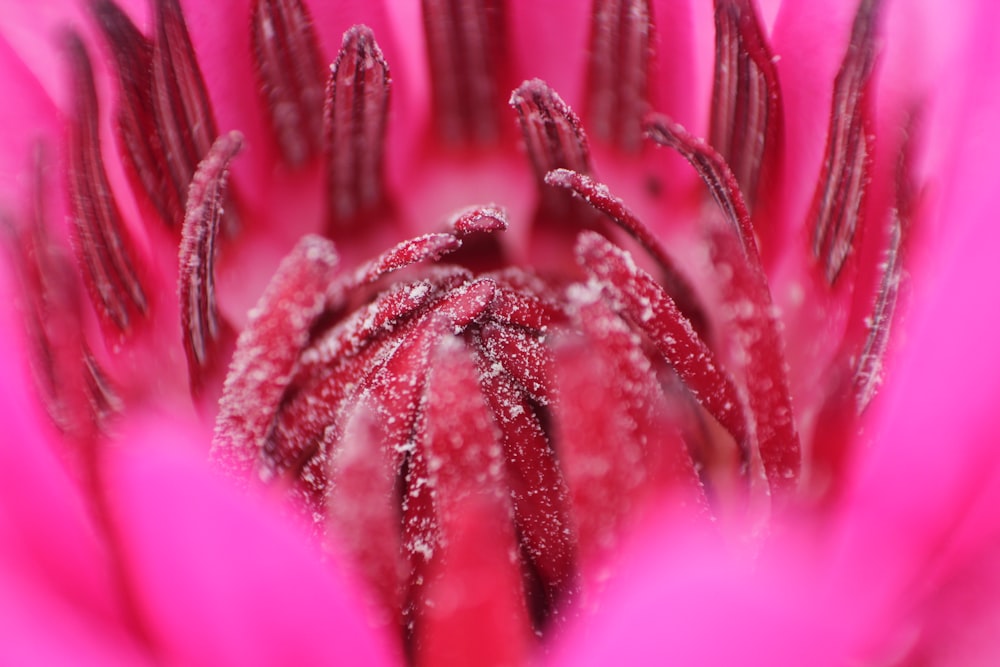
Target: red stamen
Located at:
point(289, 69)
point(138, 132)
point(517, 306)
point(537, 487)
point(553, 135)
point(104, 248)
point(618, 71)
point(650, 309)
point(362, 508)
point(474, 574)
point(357, 101)
point(554, 138)
point(616, 446)
point(481, 250)
point(429, 247)
point(382, 317)
point(747, 302)
point(747, 121)
point(522, 356)
point(839, 202)
point(467, 53)
point(204, 332)
point(389, 368)
point(480, 219)
point(597, 195)
point(268, 350)
point(758, 347)
point(716, 174)
point(182, 110)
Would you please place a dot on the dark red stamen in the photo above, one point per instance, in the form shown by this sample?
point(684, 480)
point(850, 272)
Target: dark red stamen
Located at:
point(618, 71)
point(597, 195)
point(429, 247)
point(467, 53)
point(104, 247)
point(293, 322)
point(357, 101)
point(181, 107)
point(521, 355)
point(716, 174)
point(268, 351)
point(838, 204)
point(650, 309)
point(289, 70)
point(746, 302)
point(204, 331)
point(553, 135)
point(536, 484)
point(617, 446)
point(474, 572)
point(554, 139)
point(747, 305)
point(138, 132)
point(746, 124)
point(523, 307)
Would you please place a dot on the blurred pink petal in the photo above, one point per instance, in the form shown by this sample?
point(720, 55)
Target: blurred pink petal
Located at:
point(222, 576)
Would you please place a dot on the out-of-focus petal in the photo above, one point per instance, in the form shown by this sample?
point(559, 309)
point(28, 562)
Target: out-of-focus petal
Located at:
point(33, 29)
point(222, 576)
point(58, 605)
point(35, 118)
point(928, 490)
point(683, 596)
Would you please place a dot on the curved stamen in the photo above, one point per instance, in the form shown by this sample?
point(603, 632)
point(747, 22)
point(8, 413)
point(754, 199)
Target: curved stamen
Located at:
point(554, 139)
point(748, 305)
point(104, 247)
point(597, 195)
point(650, 309)
point(204, 331)
point(268, 352)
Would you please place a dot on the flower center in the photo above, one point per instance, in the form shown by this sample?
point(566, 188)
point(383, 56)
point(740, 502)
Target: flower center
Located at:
point(440, 402)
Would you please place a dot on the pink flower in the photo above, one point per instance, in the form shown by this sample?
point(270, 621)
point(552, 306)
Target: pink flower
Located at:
point(471, 424)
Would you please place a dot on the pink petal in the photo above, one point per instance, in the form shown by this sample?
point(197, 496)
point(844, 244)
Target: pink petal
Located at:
point(223, 576)
point(928, 492)
point(58, 604)
point(35, 117)
point(683, 596)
